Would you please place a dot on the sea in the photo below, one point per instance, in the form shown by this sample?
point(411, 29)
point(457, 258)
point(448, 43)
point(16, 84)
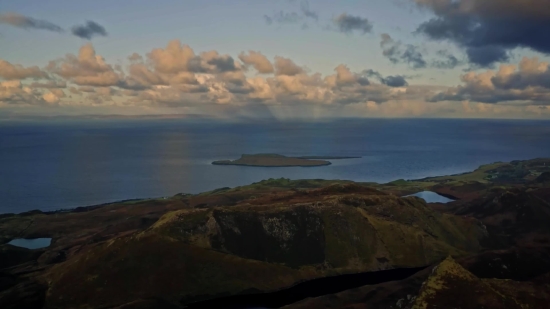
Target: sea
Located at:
point(61, 164)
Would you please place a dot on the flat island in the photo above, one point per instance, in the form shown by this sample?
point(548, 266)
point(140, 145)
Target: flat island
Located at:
point(276, 160)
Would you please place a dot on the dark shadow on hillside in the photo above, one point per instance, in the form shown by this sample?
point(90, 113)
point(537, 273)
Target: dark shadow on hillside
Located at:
point(312, 288)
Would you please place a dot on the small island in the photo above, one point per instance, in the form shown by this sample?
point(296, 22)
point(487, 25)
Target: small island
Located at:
point(276, 160)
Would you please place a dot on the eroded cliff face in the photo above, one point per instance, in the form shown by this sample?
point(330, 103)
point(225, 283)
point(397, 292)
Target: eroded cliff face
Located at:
point(197, 254)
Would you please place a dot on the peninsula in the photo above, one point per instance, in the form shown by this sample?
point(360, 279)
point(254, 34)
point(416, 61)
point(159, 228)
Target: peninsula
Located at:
point(276, 160)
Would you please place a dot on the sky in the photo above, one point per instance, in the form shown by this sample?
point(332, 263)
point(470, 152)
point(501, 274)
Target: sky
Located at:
point(281, 59)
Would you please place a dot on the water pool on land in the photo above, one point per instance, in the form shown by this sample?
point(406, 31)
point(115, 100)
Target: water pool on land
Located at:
point(35, 243)
point(432, 197)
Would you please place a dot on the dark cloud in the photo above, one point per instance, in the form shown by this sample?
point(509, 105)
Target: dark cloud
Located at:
point(398, 52)
point(89, 30)
point(395, 81)
point(391, 81)
point(486, 56)
point(309, 13)
point(211, 63)
point(348, 23)
point(449, 61)
point(20, 21)
point(373, 73)
point(413, 57)
point(130, 84)
point(223, 64)
point(268, 20)
point(489, 29)
point(238, 89)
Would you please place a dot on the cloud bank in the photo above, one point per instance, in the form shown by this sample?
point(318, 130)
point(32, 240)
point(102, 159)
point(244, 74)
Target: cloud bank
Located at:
point(176, 77)
point(489, 29)
point(527, 83)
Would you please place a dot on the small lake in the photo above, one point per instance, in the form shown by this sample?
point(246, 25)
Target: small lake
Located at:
point(431, 197)
point(35, 243)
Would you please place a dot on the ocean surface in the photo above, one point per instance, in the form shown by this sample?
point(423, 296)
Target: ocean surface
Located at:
point(64, 164)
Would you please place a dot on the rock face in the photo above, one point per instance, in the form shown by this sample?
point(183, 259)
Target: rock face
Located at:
point(452, 286)
point(204, 253)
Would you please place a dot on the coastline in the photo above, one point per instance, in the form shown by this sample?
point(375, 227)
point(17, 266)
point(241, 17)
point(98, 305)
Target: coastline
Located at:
point(407, 183)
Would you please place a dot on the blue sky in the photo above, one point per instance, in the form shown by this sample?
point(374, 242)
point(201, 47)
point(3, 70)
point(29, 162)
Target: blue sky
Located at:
point(232, 27)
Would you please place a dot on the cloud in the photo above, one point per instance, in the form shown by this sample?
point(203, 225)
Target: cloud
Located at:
point(53, 96)
point(391, 81)
point(89, 30)
point(86, 89)
point(173, 59)
point(49, 84)
point(309, 13)
point(344, 77)
point(268, 20)
point(528, 83)
point(258, 61)
point(10, 71)
point(488, 29)
point(212, 62)
point(12, 92)
point(302, 16)
point(285, 66)
point(486, 56)
point(449, 61)
point(283, 18)
point(395, 81)
point(20, 21)
point(348, 23)
point(86, 69)
point(398, 52)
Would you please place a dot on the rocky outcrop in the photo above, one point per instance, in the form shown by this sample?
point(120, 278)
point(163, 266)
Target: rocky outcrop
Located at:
point(452, 286)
